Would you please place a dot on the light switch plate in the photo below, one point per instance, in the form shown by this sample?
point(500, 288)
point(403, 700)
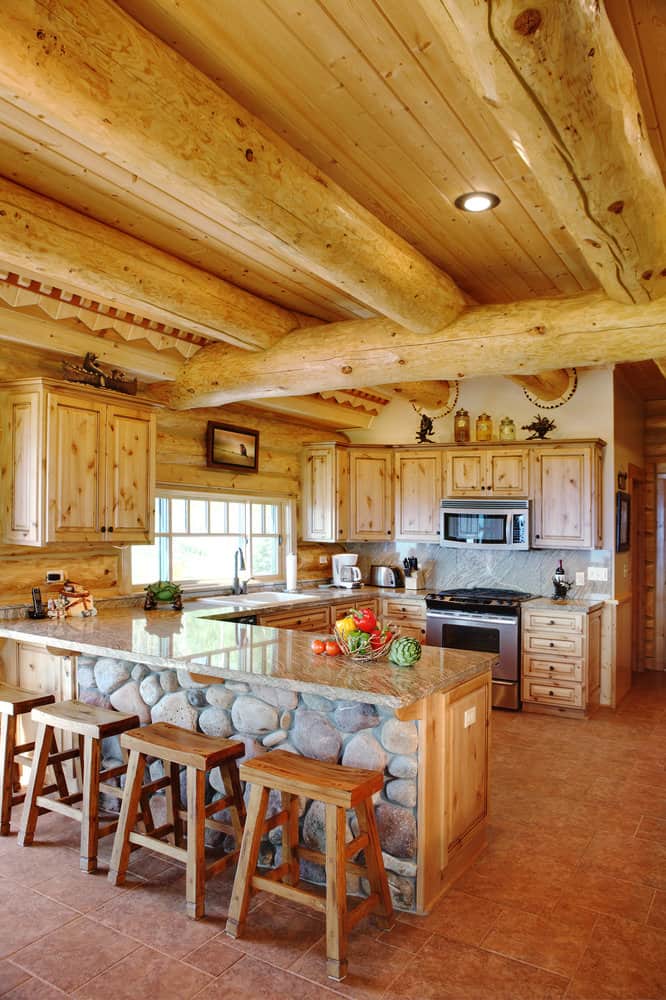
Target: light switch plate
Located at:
point(323, 560)
point(470, 717)
point(580, 578)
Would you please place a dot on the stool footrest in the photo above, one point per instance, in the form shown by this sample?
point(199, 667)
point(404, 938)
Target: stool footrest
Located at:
point(24, 748)
point(221, 863)
point(155, 786)
point(293, 892)
point(58, 758)
point(357, 844)
point(217, 824)
point(113, 790)
point(361, 910)
point(53, 805)
point(319, 858)
point(219, 805)
point(278, 820)
point(153, 844)
point(112, 772)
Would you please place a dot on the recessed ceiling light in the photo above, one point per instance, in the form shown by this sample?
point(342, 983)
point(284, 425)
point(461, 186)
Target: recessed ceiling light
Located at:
point(477, 201)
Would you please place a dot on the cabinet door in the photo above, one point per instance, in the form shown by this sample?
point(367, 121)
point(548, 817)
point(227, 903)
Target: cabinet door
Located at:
point(75, 468)
point(21, 468)
point(129, 475)
point(371, 495)
point(562, 498)
point(318, 495)
point(467, 760)
point(465, 473)
point(594, 658)
point(418, 490)
point(507, 472)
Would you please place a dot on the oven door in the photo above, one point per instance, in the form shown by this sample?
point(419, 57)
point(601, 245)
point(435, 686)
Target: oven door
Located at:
point(479, 632)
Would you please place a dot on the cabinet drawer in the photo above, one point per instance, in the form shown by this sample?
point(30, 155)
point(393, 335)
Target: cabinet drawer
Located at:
point(411, 627)
point(553, 642)
point(553, 693)
point(396, 608)
point(305, 621)
point(544, 621)
point(543, 666)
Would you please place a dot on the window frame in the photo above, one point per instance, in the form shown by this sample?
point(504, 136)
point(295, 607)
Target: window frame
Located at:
point(285, 532)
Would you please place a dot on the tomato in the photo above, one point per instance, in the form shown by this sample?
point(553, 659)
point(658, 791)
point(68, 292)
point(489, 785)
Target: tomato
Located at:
point(366, 620)
point(377, 638)
point(318, 645)
point(332, 648)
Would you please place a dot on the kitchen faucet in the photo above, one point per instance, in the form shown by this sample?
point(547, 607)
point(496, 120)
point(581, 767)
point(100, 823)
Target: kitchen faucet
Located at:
point(239, 564)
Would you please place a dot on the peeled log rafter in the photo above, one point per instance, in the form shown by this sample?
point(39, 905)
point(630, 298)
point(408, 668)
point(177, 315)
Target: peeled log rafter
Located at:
point(546, 385)
point(526, 337)
point(42, 238)
point(432, 395)
point(128, 96)
point(557, 81)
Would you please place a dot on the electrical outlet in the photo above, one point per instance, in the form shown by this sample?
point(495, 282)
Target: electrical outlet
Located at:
point(323, 560)
point(597, 573)
point(580, 579)
point(55, 576)
point(470, 717)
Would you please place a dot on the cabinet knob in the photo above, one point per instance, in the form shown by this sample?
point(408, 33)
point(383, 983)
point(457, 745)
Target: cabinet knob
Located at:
point(110, 529)
point(103, 529)
point(537, 536)
point(551, 667)
point(551, 622)
point(552, 645)
point(551, 693)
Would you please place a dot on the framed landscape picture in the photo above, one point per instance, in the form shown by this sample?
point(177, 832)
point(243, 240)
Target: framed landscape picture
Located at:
point(623, 521)
point(229, 447)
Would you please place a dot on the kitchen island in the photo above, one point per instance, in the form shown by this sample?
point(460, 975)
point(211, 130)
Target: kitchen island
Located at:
point(426, 727)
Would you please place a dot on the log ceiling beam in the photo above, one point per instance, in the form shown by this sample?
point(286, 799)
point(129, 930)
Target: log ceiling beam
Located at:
point(524, 337)
point(317, 411)
point(52, 243)
point(127, 96)
point(558, 83)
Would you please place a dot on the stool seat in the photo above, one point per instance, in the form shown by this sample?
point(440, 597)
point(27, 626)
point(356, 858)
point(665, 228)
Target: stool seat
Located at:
point(198, 754)
point(314, 779)
point(16, 701)
point(339, 788)
point(83, 719)
point(182, 746)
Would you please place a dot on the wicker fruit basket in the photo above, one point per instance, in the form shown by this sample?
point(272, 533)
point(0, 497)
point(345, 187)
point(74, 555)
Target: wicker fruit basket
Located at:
point(368, 655)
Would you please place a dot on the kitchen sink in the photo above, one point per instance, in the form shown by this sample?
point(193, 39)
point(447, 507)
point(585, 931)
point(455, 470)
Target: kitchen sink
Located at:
point(263, 597)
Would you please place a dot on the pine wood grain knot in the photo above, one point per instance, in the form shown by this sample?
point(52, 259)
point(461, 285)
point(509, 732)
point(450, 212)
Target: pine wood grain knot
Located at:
point(346, 369)
point(249, 155)
point(527, 22)
point(616, 207)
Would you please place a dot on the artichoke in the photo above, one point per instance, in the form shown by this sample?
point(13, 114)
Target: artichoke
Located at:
point(405, 651)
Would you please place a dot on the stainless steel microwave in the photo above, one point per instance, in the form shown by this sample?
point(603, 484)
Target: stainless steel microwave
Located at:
point(484, 524)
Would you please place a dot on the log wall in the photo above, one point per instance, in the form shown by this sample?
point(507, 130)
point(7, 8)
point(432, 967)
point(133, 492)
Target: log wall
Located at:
point(181, 463)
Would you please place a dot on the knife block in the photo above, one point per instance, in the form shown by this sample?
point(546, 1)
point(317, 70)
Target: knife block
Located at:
point(416, 581)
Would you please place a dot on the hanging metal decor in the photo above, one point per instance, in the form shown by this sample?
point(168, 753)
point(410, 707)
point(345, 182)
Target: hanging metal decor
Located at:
point(564, 397)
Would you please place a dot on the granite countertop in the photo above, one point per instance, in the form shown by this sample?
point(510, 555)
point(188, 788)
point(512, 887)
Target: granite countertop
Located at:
point(550, 604)
point(191, 640)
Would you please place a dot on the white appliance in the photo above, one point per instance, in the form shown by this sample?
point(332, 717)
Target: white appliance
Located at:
point(484, 524)
point(345, 571)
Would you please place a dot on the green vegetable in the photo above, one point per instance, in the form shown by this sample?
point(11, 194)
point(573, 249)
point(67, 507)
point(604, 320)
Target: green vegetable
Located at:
point(404, 652)
point(358, 642)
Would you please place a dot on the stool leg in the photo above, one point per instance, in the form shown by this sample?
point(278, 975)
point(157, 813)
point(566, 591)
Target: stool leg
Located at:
point(40, 760)
point(7, 744)
point(128, 811)
point(375, 865)
point(231, 781)
point(247, 860)
point(290, 837)
point(58, 772)
point(336, 893)
point(195, 877)
point(90, 812)
point(174, 804)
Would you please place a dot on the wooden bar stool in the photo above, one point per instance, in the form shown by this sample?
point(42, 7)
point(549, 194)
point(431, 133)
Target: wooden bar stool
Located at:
point(340, 788)
point(90, 725)
point(199, 754)
point(15, 702)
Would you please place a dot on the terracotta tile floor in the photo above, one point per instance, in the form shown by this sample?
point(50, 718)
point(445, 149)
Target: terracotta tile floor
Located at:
point(569, 899)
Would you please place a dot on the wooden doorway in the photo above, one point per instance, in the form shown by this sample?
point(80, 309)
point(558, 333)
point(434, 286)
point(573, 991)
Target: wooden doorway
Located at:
point(636, 486)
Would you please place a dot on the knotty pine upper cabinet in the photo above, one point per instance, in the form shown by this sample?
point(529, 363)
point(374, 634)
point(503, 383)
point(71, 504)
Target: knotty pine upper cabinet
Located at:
point(324, 493)
point(370, 494)
point(78, 465)
point(418, 491)
point(567, 489)
point(487, 472)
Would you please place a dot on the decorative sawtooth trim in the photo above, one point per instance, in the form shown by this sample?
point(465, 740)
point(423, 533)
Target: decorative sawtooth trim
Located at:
point(20, 291)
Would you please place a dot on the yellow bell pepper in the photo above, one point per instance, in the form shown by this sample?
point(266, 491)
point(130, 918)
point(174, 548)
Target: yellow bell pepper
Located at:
point(346, 625)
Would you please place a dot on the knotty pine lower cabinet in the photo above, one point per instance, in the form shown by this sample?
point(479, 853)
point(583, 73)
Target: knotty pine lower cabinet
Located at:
point(41, 669)
point(408, 614)
point(561, 661)
point(453, 755)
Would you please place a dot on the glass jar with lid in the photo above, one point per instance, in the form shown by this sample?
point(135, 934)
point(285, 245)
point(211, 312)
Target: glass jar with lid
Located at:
point(507, 429)
point(461, 427)
point(484, 427)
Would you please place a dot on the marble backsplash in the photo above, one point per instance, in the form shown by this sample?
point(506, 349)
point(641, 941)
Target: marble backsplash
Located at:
point(530, 570)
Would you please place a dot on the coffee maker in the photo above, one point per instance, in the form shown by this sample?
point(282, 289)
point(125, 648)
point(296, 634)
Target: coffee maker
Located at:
point(345, 571)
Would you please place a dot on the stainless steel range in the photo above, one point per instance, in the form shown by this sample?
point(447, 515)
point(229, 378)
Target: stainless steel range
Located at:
point(483, 619)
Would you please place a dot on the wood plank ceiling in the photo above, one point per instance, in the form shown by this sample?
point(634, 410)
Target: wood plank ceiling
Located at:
point(368, 94)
